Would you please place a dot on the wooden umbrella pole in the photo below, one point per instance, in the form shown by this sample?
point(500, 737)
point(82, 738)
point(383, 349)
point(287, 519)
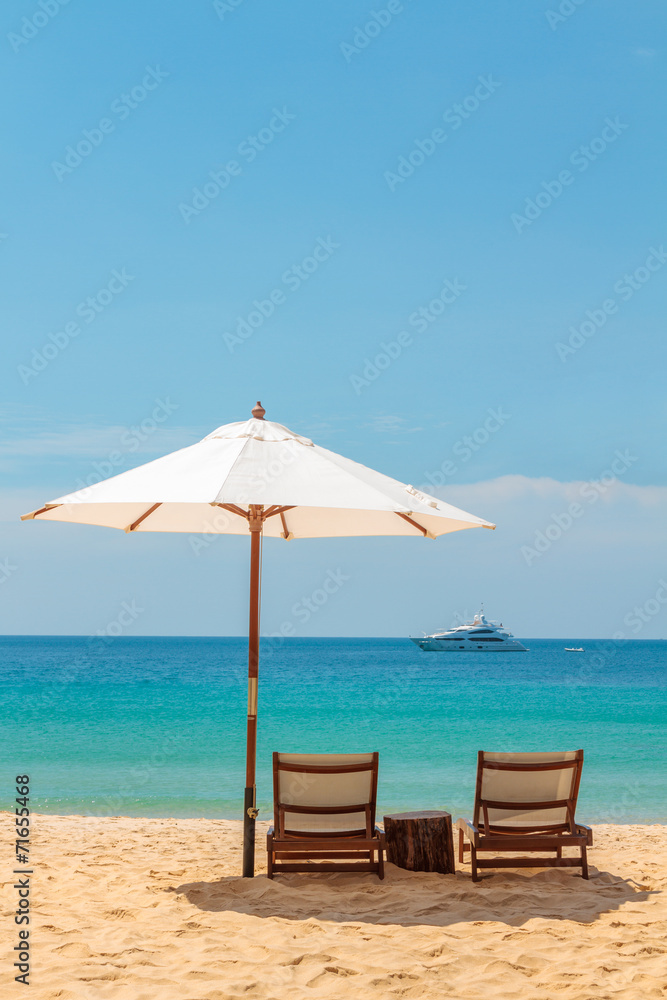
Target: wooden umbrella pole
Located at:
point(249, 802)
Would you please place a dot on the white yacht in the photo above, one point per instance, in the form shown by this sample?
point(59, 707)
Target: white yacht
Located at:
point(478, 636)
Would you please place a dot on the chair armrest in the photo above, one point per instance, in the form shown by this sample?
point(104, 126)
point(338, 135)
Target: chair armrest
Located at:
point(470, 831)
point(379, 831)
point(582, 828)
point(269, 836)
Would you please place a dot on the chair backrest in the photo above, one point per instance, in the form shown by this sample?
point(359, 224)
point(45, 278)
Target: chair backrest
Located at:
point(324, 794)
point(527, 792)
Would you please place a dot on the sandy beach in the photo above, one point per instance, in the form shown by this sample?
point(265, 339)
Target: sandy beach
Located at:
point(141, 908)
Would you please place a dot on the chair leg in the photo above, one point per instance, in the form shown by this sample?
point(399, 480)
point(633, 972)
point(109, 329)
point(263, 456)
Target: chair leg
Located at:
point(380, 862)
point(269, 858)
point(460, 846)
point(473, 863)
point(584, 862)
point(559, 852)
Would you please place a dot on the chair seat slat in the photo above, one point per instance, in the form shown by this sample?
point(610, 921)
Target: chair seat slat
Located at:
point(554, 804)
point(323, 810)
point(560, 765)
point(325, 768)
point(524, 831)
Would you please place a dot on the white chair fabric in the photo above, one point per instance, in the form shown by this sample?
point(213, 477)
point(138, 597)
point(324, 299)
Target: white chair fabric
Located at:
point(528, 786)
point(302, 788)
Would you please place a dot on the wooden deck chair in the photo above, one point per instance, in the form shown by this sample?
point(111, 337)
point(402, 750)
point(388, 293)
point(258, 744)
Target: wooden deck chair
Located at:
point(526, 802)
point(324, 809)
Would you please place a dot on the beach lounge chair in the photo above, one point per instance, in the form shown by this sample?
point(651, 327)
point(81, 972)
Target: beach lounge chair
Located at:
point(526, 802)
point(324, 809)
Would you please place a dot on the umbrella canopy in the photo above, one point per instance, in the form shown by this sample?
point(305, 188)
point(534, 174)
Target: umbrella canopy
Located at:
point(251, 463)
point(260, 477)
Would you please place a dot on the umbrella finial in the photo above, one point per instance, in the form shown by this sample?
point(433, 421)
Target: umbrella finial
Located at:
point(258, 411)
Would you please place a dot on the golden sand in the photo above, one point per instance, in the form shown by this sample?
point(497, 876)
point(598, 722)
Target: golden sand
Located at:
point(152, 908)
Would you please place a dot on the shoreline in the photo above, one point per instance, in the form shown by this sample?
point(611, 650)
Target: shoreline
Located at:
point(126, 907)
point(266, 814)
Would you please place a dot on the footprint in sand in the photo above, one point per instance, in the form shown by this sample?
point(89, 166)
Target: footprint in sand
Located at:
point(75, 949)
point(120, 914)
point(331, 970)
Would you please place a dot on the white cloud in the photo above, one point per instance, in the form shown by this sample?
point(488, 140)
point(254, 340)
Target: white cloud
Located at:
point(27, 434)
point(514, 488)
point(94, 442)
point(389, 424)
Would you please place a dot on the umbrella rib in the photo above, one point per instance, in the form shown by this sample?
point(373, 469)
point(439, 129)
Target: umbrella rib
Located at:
point(42, 510)
point(277, 510)
point(406, 517)
point(286, 533)
point(233, 509)
point(146, 513)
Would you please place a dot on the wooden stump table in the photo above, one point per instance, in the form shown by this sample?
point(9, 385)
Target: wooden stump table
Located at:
point(420, 841)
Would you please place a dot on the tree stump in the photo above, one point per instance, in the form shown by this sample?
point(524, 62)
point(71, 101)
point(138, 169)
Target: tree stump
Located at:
point(420, 841)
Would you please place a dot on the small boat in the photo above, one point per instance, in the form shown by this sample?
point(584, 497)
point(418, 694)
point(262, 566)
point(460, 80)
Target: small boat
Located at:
point(478, 636)
point(574, 649)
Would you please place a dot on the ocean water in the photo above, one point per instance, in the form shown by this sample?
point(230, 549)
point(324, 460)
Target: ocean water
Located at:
point(156, 726)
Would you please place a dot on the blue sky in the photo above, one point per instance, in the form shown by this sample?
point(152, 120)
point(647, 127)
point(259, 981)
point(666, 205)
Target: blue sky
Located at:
point(513, 152)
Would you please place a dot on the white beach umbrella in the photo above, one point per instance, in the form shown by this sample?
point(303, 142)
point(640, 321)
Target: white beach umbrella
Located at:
point(260, 477)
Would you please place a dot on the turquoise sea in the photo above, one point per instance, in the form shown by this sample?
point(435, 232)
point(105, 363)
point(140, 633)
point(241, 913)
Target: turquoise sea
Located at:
point(156, 726)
